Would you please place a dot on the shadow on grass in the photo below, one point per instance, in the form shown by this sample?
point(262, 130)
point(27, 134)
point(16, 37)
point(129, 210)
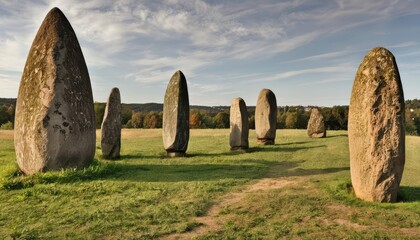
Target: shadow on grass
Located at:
point(227, 153)
point(267, 148)
point(140, 156)
point(309, 172)
point(291, 143)
point(187, 172)
point(282, 148)
point(130, 171)
point(339, 135)
point(244, 169)
point(140, 173)
point(408, 194)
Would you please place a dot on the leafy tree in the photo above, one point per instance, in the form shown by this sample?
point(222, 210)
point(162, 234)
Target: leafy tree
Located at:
point(251, 119)
point(281, 120)
point(126, 114)
point(195, 119)
point(412, 121)
point(99, 109)
point(11, 113)
point(291, 120)
point(128, 124)
point(221, 120)
point(301, 118)
point(152, 120)
point(7, 126)
point(137, 120)
point(4, 117)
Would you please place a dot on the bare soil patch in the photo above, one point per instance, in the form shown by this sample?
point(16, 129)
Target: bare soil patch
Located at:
point(6, 134)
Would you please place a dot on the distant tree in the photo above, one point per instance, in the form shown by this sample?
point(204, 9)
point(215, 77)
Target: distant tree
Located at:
point(11, 113)
point(412, 121)
point(412, 104)
point(251, 119)
point(137, 120)
point(281, 119)
point(99, 109)
point(331, 122)
point(195, 119)
point(4, 117)
point(7, 126)
point(152, 120)
point(340, 115)
point(301, 118)
point(291, 120)
point(128, 124)
point(221, 120)
point(126, 114)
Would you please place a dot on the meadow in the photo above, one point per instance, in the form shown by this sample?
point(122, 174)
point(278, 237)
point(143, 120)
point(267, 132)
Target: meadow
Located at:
point(297, 189)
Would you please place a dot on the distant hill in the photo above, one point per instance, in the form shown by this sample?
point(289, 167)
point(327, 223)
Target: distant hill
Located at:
point(144, 107)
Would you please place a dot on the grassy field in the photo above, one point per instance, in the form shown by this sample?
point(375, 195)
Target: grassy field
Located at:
point(298, 188)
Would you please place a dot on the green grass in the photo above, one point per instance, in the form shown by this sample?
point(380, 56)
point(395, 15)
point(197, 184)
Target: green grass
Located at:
point(145, 195)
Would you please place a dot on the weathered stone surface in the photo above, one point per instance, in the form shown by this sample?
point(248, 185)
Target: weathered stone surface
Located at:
point(176, 111)
point(266, 117)
point(376, 128)
point(239, 125)
point(55, 120)
point(111, 126)
point(316, 124)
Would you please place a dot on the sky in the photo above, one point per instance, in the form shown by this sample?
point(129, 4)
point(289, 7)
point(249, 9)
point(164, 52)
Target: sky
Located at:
point(306, 51)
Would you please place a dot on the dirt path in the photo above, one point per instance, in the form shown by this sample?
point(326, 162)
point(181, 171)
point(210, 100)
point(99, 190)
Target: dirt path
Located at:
point(210, 221)
point(337, 214)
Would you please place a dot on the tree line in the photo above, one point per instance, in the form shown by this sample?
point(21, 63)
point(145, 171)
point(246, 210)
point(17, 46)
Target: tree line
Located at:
point(288, 117)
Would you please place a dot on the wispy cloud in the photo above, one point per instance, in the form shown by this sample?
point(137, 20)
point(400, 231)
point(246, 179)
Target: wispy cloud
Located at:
point(289, 74)
point(330, 80)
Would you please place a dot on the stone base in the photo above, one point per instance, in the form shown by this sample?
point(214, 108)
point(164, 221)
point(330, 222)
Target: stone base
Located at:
point(318, 135)
point(263, 141)
point(240, 149)
point(175, 154)
point(111, 157)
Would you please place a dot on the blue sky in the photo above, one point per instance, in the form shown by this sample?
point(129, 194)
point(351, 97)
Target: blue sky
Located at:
point(306, 51)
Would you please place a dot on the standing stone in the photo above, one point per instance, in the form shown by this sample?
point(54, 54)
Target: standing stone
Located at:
point(176, 112)
point(111, 126)
point(376, 128)
point(55, 120)
point(239, 125)
point(266, 117)
point(316, 124)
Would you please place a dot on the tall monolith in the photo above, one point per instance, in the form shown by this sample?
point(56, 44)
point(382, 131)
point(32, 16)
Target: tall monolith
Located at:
point(316, 124)
point(266, 117)
point(111, 126)
point(55, 119)
point(239, 125)
point(176, 111)
point(376, 128)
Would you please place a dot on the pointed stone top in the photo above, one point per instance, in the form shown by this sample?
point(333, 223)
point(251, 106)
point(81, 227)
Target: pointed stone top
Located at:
point(266, 91)
point(55, 13)
point(237, 99)
point(55, 10)
point(379, 52)
point(115, 95)
point(115, 90)
point(377, 49)
point(178, 74)
point(55, 26)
